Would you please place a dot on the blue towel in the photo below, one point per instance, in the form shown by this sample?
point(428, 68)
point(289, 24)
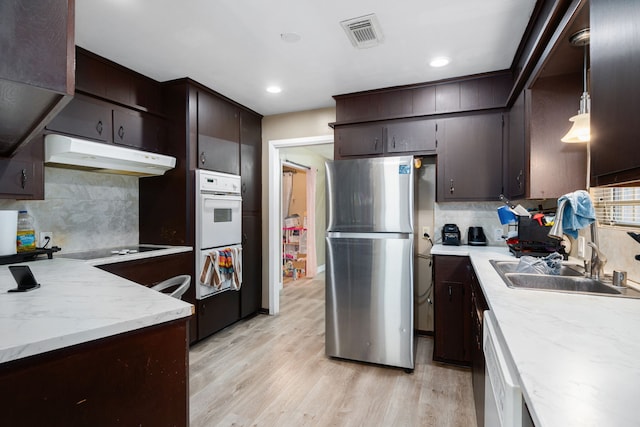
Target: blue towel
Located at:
point(578, 212)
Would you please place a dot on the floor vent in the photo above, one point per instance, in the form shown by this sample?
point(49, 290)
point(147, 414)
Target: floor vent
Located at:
point(364, 31)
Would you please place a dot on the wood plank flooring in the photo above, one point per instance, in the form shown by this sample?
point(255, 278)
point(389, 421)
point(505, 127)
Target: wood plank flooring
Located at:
point(272, 371)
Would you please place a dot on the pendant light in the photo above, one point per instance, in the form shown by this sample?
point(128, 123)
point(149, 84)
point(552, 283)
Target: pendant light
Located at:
point(581, 130)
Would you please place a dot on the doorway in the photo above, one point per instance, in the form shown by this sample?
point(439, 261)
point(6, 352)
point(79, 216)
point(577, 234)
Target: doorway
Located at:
point(275, 224)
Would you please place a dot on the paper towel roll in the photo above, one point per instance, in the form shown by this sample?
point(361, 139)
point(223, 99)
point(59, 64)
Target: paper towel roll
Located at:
point(8, 232)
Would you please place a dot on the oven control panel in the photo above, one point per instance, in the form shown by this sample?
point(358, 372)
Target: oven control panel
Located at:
point(217, 182)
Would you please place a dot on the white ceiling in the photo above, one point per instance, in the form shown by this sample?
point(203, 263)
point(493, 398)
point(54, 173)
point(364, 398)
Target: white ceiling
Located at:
point(235, 48)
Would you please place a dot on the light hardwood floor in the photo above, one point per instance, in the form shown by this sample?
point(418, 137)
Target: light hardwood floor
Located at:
point(272, 371)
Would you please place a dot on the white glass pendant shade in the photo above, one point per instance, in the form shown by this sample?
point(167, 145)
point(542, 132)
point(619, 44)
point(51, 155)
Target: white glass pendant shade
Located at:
point(580, 131)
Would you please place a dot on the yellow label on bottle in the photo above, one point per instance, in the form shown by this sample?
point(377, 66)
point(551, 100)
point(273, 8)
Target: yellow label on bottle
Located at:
point(26, 241)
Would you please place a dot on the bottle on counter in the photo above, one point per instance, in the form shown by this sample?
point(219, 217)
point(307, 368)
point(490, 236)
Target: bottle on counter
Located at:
point(26, 236)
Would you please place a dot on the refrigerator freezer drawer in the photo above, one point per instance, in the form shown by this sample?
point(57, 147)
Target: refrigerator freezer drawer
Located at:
point(369, 299)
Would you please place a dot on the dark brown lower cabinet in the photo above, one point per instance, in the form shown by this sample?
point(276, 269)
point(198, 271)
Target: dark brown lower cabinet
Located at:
point(149, 271)
point(251, 290)
point(478, 306)
point(135, 378)
point(217, 312)
point(452, 305)
point(459, 305)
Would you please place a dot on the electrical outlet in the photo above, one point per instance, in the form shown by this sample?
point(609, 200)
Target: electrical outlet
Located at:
point(425, 232)
point(497, 234)
point(581, 246)
point(46, 239)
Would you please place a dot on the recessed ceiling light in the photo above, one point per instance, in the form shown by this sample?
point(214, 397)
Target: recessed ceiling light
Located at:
point(440, 61)
point(290, 37)
point(274, 89)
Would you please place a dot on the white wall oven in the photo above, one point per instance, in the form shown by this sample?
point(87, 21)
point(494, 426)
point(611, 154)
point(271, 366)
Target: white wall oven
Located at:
point(218, 233)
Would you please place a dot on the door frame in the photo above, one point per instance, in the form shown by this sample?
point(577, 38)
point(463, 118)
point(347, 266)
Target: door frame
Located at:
point(274, 232)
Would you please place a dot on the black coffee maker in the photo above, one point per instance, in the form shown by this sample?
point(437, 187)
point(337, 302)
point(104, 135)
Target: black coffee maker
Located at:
point(450, 235)
point(476, 237)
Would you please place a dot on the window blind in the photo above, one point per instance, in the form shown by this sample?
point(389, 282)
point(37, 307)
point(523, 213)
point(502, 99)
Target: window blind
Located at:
point(617, 205)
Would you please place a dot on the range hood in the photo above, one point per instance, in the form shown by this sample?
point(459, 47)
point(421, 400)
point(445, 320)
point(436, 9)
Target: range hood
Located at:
point(68, 152)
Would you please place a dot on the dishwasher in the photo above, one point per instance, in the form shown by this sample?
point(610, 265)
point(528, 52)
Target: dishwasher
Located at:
point(503, 399)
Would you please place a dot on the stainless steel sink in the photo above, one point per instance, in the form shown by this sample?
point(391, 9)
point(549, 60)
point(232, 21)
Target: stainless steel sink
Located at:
point(570, 280)
point(512, 266)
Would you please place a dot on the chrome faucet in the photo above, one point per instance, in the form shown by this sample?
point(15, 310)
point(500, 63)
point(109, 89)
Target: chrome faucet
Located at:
point(598, 260)
point(556, 229)
point(595, 268)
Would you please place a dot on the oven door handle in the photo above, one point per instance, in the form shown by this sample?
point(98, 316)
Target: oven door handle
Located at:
point(231, 197)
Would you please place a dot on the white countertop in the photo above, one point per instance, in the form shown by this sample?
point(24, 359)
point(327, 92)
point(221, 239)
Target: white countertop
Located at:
point(577, 356)
point(76, 303)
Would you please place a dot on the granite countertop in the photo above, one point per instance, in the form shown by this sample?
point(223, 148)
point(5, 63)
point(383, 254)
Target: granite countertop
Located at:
point(576, 356)
point(76, 303)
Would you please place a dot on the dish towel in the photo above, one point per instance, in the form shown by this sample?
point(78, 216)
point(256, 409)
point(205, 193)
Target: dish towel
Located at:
point(236, 263)
point(578, 212)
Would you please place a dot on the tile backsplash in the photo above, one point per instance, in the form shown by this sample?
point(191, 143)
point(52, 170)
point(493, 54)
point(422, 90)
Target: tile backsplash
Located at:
point(85, 210)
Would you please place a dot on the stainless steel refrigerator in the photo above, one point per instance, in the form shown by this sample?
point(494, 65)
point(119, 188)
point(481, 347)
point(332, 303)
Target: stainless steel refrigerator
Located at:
point(369, 280)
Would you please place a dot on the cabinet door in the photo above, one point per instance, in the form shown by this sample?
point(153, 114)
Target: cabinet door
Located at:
point(84, 117)
point(22, 176)
point(359, 140)
point(514, 180)
point(218, 118)
point(217, 312)
point(470, 158)
point(615, 60)
point(137, 130)
point(218, 135)
point(251, 161)
point(411, 136)
point(251, 290)
point(452, 310)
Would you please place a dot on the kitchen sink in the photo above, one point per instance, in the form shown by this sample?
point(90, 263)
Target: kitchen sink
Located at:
point(512, 266)
point(569, 280)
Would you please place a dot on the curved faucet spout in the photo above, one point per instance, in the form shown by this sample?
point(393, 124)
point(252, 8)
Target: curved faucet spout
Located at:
point(556, 231)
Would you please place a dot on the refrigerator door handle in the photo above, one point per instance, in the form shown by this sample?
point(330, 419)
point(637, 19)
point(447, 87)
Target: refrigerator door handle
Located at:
point(348, 235)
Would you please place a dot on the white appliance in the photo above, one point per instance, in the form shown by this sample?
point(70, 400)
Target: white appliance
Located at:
point(218, 221)
point(100, 157)
point(502, 398)
point(369, 289)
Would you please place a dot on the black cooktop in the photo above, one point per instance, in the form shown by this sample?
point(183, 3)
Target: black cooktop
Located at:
point(109, 252)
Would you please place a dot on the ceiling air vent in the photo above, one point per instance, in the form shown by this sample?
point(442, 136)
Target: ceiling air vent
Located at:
point(364, 31)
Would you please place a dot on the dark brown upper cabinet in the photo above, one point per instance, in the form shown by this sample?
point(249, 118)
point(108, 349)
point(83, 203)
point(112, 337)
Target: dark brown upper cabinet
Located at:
point(37, 72)
point(538, 165)
point(104, 79)
point(218, 134)
point(251, 160)
point(471, 93)
point(615, 93)
point(470, 158)
point(359, 140)
point(88, 117)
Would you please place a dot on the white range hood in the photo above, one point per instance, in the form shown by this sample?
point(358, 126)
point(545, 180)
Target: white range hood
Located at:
point(64, 151)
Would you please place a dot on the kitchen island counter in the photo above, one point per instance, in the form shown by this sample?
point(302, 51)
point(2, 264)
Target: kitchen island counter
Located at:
point(92, 348)
point(576, 356)
point(76, 303)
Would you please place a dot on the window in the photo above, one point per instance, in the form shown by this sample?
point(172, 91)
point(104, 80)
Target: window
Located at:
point(617, 205)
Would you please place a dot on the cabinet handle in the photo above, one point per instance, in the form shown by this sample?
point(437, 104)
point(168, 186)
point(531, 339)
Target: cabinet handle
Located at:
point(121, 132)
point(244, 238)
point(451, 187)
point(23, 178)
point(244, 187)
point(203, 158)
point(450, 293)
point(375, 144)
point(519, 179)
point(394, 142)
point(99, 127)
